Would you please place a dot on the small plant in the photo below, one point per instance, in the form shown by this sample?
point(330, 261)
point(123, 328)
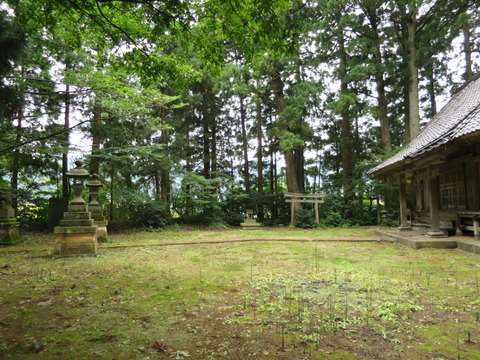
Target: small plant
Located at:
point(305, 219)
point(179, 354)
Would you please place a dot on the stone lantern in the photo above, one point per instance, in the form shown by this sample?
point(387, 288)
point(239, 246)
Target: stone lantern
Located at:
point(9, 226)
point(95, 208)
point(77, 234)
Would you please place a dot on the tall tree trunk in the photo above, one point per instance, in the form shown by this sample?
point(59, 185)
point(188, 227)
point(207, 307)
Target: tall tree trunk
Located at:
point(290, 159)
point(380, 81)
point(16, 159)
point(243, 119)
point(382, 101)
point(300, 168)
point(272, 165)
point(406, 110)
point(431, 92)
point(165, 173)
point(96, 139)
point(189, 169)
point(112, 174)
point(467, 49)
point(66, 126)
point(346, 142)
point(158, 187)
point(206, 149)
point(413, 98)
point(214, 159)
point(258, 110)
point(259, 146)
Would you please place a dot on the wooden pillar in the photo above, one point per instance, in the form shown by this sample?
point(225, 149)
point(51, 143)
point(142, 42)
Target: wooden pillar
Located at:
point(292, 212)
point(476, 193)
point(317, 216)
point(476, 226)
point(435, 205)
point(404, 225)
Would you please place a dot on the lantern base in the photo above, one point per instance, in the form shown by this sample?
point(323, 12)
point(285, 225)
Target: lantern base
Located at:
point(9, 231)
point(75, 241)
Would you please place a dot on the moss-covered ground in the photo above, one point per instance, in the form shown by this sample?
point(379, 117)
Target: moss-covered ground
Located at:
point(239, 300)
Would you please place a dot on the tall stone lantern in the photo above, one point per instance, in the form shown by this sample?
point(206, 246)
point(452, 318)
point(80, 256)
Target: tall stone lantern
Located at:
point(77, 234)
point(95, 208)
point(9, 226)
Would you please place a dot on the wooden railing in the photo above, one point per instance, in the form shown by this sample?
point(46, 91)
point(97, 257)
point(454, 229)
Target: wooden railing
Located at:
point(468, 220)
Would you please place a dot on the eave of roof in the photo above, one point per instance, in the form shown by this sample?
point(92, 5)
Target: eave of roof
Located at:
point(460, 117)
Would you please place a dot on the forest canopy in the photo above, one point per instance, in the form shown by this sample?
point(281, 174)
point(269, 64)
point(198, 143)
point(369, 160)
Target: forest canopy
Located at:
point(196, 111)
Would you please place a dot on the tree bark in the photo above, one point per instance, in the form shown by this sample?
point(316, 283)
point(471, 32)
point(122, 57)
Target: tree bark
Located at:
point(467, 49)
point(16, 160)
point(413, 97)
point(112, 174)
point(66, 126)
point(346, 142)
point(96, 139)
point(259, 146)
point(206, 149)
point(272, 171)
point(258, 110)
point(213, 155)
point(244, 144)
point(431, 92)
point(380, 81)
point(290, 158)
point(165, 174)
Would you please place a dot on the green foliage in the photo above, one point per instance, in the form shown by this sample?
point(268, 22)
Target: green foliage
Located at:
point(270, 209)
point(198, 200)
point(148, 214)
point(12, 45)
point(235, 208)
point(33, 214)
point(333, 212)
point(305, 219)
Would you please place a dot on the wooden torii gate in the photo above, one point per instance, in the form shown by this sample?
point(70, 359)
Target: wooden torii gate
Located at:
point(295, 198)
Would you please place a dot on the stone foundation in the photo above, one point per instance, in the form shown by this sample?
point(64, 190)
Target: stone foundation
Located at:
point(76, 235)
point(102, 235)
point(250, 224)
point(75, 241)
point(9, 231)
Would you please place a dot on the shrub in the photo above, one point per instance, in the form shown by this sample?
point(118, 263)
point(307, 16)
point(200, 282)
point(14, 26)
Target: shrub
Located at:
point(149, 214)
point(305, 219)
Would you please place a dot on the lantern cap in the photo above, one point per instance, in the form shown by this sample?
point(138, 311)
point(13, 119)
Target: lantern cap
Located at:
point(78, 172)
point(94, 182)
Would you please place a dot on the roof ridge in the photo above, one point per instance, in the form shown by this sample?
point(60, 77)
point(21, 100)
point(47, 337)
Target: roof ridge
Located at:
point(465, 84)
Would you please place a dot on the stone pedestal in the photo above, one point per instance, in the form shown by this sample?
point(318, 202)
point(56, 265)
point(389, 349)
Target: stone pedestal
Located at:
point(76, 235)
point(250, 224)
point(9, 231)
point(436, 234)
point(100, 221)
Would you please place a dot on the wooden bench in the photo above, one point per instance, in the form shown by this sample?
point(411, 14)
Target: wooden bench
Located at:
point(467, 220)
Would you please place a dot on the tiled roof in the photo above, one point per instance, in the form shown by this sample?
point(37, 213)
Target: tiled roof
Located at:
point(460, 117)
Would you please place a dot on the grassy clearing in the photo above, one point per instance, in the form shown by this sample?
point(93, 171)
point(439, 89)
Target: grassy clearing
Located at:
point(180, 234)
point(296, 300)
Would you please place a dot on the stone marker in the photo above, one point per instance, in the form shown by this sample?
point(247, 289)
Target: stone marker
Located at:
point(9, 226)
point(77, 233)
point(250, 223)
point(95, 209)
